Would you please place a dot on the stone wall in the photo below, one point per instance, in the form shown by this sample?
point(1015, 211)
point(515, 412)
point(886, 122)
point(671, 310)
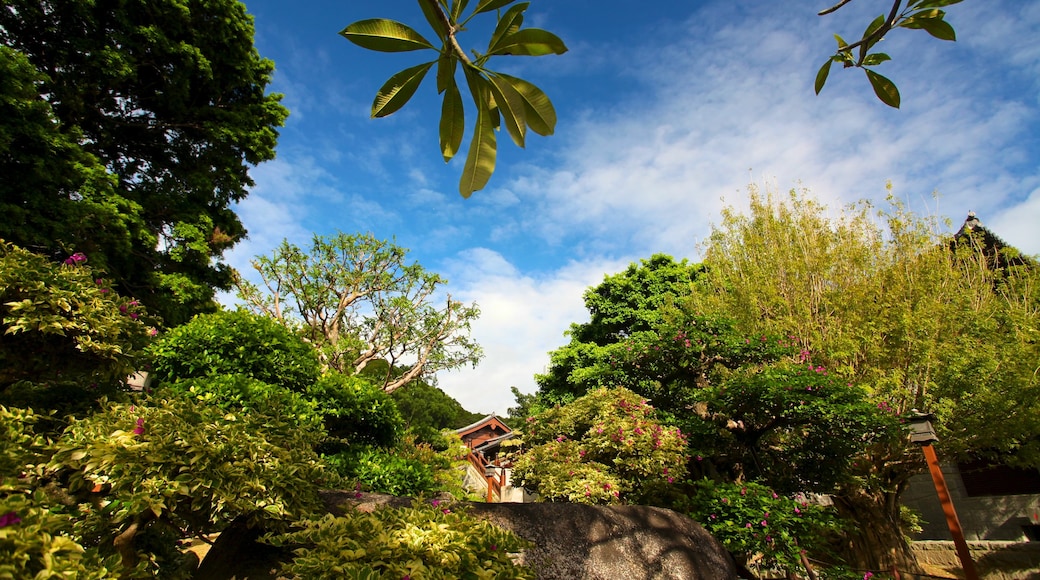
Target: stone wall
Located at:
point(993, 560)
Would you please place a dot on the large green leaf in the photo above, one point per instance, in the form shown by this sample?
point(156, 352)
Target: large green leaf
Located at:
point(538, 109)
point(453, 122)
point(884, 89)
point(445, 71)
point(512, 107)
point(821, 76)
point(530, 42)
point(489, 5)
point(875, 59)
point(509, 23)
point(480, 161)
point(433, 18)
point(384, 35)
point(395, 92)
point(932, 22)
point(933, 3)
point(457, 7)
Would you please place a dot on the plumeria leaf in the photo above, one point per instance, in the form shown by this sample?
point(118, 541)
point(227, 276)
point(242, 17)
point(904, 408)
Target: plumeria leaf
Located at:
point(384, 36)
point(457, 7)
point(932, 22)
point(445, 71)
point(489, 5)
point(875, 59)
point(511, 106)
point(453, 122)
point(933, 3)
point(480, 161)
point(509, 23)
point(841, 42)
point(530, 42)
point(538, 109)
point(884, 89)
point(399, 89)
point(821, 76)
point(433, 18)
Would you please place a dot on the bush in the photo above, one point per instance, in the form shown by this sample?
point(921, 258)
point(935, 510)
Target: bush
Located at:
point(66, 339)
point(604, 447)
point(282, 410)
point(427, 541)
point(152, 473)
point(356, 412)
point(235, 342)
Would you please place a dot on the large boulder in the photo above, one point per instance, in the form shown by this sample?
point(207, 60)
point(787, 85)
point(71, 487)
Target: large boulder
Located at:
point(572, 542)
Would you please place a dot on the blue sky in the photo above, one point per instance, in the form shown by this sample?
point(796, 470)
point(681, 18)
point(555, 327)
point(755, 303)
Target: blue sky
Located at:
point(668, 111)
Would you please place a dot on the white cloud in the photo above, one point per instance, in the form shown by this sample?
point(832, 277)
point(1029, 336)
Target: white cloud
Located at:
point(523, 317)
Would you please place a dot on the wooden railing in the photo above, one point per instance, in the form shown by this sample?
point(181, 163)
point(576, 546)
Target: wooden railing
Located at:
point(494, 484)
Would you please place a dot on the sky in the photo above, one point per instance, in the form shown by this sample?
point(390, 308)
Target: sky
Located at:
point(668, 112)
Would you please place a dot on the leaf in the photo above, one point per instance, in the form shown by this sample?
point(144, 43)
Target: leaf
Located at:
point(538, 109)
point(511, 106)
point(841, 42)
point(457, 6)
point(480, 161)
point(530, 42)
point(384, 35)
point(489, 5)
point(509, 23)
point(932, 22)
point(445, 71)
point(874, 25)
point(933, 3)
point(821, 76)
point(453, 122)
point(875, 59)
point(433, 18)
point(884, 89)
point(398, 89)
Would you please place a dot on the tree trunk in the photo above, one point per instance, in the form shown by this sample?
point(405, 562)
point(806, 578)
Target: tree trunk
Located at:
point(876, 541)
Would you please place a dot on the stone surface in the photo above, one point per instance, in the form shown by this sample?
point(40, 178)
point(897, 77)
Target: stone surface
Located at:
point(573, 542)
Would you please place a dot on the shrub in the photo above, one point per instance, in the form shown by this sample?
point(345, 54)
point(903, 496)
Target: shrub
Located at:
point(356, 412)
point(66, 339)
point(427, 541)
point(149, 474)
point(604, 447)
point(235, 342)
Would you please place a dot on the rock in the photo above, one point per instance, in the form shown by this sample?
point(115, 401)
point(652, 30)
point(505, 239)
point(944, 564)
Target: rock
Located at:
point(572, 542)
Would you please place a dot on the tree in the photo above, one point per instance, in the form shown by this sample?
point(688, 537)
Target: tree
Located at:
point(922, 321)
point(520, 105)
point(364, 308)
point(128, 130)
point(427, 410)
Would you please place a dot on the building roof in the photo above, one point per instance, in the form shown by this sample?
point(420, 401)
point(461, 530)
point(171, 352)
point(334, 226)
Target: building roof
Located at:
point(491, 420)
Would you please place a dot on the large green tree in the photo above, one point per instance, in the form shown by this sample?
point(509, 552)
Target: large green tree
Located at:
point(128, 130)
point(365, 308)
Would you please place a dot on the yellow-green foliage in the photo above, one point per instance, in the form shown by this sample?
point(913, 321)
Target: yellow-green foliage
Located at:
point(428, 541)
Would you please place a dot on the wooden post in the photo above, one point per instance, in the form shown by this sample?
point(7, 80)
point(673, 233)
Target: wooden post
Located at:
point(951, 515)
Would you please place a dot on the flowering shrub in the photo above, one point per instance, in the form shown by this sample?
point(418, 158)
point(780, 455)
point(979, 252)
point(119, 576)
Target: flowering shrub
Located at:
point(605, 447)
point(35, 533)
point(428, 541)
point(146, 475)
point(65, 338)
point(410, 468)
point(767, 529)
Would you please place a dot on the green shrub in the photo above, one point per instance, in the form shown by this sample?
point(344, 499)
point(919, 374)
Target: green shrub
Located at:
point(428, 541)
point(356, 412)
point(281, 408)
point(769, 530)
point(384, 471)
point(235, 342)
point(66, 339)
point(169, 468)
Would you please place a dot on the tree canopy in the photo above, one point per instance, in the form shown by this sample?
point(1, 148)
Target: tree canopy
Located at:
point(128, 130)
point(366, 310)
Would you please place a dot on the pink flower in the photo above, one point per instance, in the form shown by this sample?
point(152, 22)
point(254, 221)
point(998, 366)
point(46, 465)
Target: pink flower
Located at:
point(747, 525)
point(764, 523)
point(493, 547)
point(435, 502)
point(139, 430)
point(75, 259)
point(9, 519)
point(868, 576)
point(446, 511)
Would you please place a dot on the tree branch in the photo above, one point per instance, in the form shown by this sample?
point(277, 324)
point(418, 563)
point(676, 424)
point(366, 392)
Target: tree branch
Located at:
point(833, 9)
point(451, 40)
